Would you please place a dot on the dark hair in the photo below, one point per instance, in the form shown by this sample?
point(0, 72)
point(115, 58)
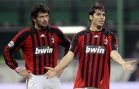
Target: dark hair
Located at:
point(96, 6)
point(37, 9)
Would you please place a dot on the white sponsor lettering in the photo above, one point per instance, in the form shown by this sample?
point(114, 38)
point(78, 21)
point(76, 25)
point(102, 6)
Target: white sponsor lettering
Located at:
point(43, 50)
point(95, 49)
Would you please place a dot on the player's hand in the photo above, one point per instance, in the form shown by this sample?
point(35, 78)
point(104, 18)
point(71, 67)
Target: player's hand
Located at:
point(59, 73)
point(128, 65)
point(25, 73)
point(51, 72)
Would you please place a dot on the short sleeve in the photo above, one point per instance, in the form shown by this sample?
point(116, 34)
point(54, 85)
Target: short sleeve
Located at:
point(114, 43)
point(74, 46)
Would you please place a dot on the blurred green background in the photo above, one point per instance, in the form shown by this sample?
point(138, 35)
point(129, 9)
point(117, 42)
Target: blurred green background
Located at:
point(122, 17)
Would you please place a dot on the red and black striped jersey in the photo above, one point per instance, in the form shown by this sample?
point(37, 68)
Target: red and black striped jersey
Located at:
point(94, 49)
point(40, 48)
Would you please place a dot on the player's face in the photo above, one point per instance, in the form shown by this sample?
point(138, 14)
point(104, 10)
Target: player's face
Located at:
point(42, 20)
point(98, 18)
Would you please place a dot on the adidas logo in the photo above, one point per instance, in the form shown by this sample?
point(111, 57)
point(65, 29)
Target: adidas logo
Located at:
point(95, 36)
point(42, 35)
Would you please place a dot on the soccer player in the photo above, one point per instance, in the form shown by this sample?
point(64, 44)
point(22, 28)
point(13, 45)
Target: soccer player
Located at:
point(39, 44)
point(95, 46)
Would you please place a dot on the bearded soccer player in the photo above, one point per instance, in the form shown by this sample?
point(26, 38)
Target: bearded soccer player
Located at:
point(39, 44)
point(95, 46)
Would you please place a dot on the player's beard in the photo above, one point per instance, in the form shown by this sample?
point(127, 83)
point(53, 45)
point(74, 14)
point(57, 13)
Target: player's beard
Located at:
point(43, 25)
point(99, 27)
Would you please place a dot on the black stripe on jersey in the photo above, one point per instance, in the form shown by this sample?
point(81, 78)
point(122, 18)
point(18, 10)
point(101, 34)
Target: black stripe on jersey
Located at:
point(33, 46)
point(49, 56)
point(38, 40)
point(44, 56)
point(93, 63)
point(7, 61)
point(88, 61)
point(52, 55)
point(114, 42)
point(74, 44)
point(103, 62)
point(83, 63)
point(98, 61)
point(49, 44)
point(14, 62)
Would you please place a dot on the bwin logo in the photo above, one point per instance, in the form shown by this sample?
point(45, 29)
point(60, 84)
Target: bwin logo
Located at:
point(43, 50)
point(95, 49)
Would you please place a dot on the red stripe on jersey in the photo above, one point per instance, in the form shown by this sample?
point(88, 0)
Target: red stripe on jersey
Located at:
point(97, 64)
point(37, 56)
point(88, 72)
point(90, 65)
point(87, 59)
point(101, 62)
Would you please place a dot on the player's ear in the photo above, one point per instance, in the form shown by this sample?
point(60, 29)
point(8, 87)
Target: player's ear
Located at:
point(90, 17)
point(33, 19)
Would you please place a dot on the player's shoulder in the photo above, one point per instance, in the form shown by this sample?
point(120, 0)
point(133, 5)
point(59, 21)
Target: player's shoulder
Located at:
point(83, 32)
point(25, 30)
point(108, 32)
point(54, 27)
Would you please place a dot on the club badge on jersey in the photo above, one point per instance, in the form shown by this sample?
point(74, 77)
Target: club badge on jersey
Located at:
point(106, 41)
point(52, 39)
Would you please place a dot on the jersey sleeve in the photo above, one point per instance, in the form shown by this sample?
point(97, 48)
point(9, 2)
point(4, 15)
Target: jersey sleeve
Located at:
point(74, 47)
point(114, 43)
point(13, 46)
point(64, 41)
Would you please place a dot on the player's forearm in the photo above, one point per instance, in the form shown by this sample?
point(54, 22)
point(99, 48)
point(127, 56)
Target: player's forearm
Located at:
point(65, 61)
point(117, 57)
point(9, 59)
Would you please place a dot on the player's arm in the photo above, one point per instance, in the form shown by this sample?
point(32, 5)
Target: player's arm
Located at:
point(63, 63)
point(13, 46)
point(117, 57)
point(64, 42)
point(66, 59)
point(9, 50)
point(127, 65)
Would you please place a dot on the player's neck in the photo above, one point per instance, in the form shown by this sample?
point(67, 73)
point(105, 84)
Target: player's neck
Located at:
point(38, 28)
point(95, 28)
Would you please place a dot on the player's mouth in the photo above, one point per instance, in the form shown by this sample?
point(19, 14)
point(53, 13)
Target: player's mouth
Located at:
point(44, 23)
point(101, 21)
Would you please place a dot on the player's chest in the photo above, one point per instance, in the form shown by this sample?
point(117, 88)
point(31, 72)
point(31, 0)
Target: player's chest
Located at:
point(94, 43)
point(41, 40)
point(95, 39)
